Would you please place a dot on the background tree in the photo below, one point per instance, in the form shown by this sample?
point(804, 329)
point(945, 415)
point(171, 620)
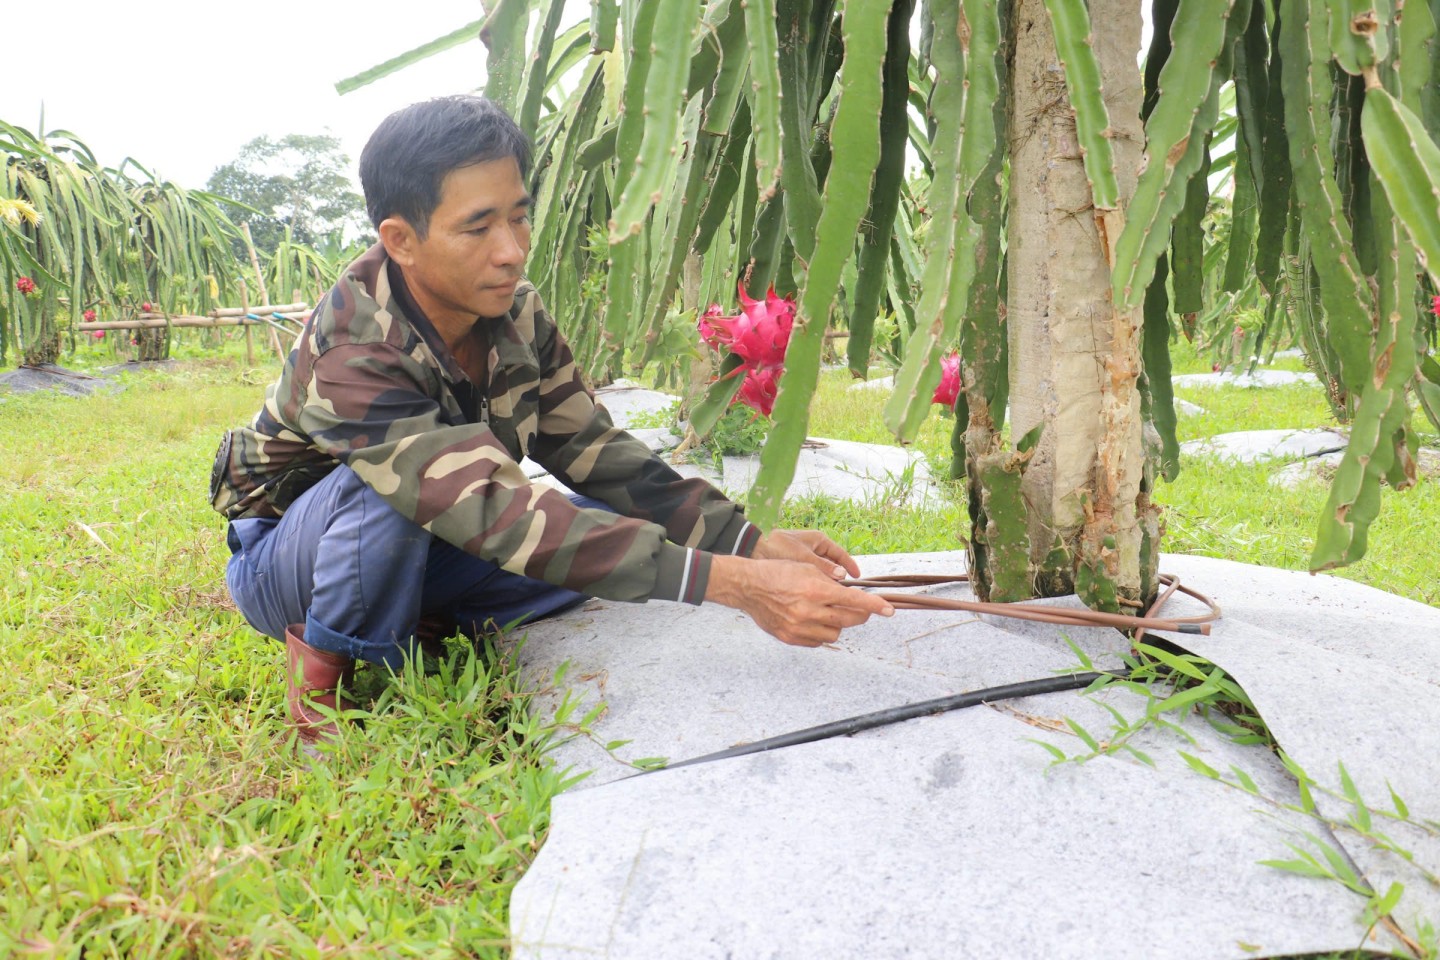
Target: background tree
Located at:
point(296, 183)
point(1054, 239)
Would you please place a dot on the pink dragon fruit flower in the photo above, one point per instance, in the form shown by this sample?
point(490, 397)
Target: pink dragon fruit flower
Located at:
point(760, 388)
point(1435, 306)
point(762, 342)
point(709, 332)
point(89, 316)
point(949, 387)
point(146, 306)
point(758, 334)
point(25, 285)
point(98, 334)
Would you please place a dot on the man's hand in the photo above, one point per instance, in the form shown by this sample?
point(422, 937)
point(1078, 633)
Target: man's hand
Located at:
point(807, 546)
point(795, 602)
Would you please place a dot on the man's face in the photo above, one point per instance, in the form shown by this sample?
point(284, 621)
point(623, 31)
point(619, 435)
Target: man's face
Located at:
point(474, 254)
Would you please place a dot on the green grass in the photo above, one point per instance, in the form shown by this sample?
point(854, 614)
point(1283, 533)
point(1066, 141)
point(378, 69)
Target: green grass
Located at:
point(840, 413)
point(1234, 511)
point(152, 805)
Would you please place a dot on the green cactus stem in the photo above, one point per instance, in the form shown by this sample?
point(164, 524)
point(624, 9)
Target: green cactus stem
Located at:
point(847, 192)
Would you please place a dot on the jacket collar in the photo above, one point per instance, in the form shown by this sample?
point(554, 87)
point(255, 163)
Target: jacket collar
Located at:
point(402, 304)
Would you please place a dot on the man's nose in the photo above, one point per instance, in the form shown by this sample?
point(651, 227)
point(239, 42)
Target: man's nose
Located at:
point(510, 251)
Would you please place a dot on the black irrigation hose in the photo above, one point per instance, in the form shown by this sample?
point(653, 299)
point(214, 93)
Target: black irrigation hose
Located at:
point(958, 701)
point(909, 711)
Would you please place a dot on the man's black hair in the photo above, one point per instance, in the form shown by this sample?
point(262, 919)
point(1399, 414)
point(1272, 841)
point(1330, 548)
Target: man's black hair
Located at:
point(407, 157)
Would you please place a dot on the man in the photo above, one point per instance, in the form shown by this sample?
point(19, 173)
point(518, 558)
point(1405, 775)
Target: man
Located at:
point(379, 483)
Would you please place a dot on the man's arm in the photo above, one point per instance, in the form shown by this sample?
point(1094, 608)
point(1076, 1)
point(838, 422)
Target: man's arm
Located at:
point(458, 482)
point(580, 446)
point(367, 406)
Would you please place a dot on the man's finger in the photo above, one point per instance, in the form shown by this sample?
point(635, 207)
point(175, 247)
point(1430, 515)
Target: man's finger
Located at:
point(820, 634)
point(822, 621)
point(827, 566)
point(807, 638)
point(815, 623)
point(846, 617)
point(853, 597)
point(831, 550)
point(823, 547)
point(857, 599)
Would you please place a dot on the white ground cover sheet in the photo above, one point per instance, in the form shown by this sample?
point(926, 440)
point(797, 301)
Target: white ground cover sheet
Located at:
point(1254, 446)
point(955, 835)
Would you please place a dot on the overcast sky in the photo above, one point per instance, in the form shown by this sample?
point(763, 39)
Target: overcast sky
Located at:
point(181, 86)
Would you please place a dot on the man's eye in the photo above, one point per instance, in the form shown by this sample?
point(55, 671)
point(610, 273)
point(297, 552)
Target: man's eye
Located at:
point(522, 219)
point(478, 231)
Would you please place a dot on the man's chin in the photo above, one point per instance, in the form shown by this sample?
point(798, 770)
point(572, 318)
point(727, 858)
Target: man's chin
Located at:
point(496, 302)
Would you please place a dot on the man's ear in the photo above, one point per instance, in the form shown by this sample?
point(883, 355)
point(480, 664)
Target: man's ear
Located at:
point(399, 239)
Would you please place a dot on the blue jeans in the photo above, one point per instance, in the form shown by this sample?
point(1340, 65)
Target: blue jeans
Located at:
point(359, 575)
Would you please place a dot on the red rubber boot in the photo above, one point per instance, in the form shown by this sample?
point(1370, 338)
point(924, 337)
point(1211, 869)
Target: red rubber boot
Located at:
point(315, 677)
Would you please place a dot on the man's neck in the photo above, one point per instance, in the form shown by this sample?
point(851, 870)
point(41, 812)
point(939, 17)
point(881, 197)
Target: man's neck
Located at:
point(452, 327)
point(454, 330)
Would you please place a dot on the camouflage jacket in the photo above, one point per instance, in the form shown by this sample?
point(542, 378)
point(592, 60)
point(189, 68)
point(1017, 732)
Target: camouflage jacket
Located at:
point(370, 384)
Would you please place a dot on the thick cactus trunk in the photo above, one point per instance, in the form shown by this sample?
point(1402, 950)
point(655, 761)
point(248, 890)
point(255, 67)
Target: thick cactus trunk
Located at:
point(1079, 513)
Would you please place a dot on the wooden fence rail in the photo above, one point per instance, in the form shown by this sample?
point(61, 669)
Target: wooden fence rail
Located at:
point(220, 317)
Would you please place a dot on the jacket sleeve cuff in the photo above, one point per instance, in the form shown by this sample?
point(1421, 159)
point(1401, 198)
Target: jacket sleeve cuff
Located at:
point(738, 538)
point(682, 574)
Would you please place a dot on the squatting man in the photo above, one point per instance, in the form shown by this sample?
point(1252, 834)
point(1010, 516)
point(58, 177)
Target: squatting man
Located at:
point(377, 496)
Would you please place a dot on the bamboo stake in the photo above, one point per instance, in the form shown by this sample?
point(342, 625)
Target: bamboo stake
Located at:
point(254, 261)
point(245, 305)
point(156, 323)
point(260, 279)
point(298, 306)
point(232, 319)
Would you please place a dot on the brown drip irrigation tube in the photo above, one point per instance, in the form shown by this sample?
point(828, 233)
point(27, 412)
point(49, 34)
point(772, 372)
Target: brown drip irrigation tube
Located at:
point(1042, 614)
